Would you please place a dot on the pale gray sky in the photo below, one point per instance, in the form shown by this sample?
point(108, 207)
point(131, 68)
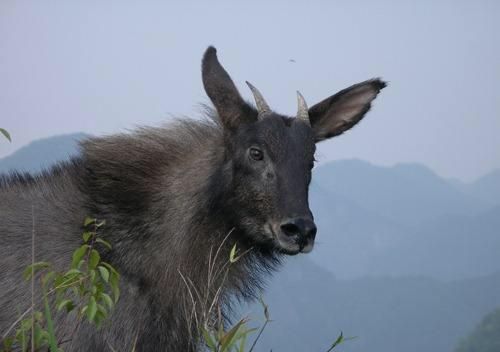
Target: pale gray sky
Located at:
point(105, 66)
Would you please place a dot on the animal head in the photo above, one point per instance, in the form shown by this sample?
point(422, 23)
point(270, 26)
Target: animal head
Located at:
point(270, 156)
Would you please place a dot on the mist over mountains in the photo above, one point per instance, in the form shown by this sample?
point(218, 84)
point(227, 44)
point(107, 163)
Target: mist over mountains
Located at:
point(405, 260)
point(404, 220)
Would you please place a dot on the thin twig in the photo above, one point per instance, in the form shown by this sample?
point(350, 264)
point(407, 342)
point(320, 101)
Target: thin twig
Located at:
point(209, 265)
point(222, 243)
point(75, 328)
point(217, 294)
point(217, 254)
point(135, 341)
point(192, 297)
point(258, 336)
point(111, 347)
point(16, 322)
point(68, 283)
point(212, 277)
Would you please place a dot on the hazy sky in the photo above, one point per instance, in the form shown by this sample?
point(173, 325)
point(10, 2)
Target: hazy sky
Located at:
point(105, 66)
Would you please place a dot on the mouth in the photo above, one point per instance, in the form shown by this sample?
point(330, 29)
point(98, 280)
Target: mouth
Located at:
point(290, 245)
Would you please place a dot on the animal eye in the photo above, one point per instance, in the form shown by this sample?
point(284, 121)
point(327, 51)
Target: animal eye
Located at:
point(256, 154)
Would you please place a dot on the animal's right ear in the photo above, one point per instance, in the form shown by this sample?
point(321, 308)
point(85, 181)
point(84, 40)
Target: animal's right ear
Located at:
point(340, 112)
point(232, 109)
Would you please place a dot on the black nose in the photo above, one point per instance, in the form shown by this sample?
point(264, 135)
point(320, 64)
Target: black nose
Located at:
point(301, 227)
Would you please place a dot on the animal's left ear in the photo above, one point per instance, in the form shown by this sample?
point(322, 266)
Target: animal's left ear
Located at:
point(230, 106)
point(343, 110)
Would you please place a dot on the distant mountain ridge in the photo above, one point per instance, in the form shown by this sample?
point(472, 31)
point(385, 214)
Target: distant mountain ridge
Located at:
point(410, 194)
point(486, 187)
point(42, 153)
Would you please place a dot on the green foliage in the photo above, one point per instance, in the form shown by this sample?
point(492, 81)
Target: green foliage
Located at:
point(233, 339)
point(6, 134)
point(485, 337)
point(340, 339)
point(89, 290)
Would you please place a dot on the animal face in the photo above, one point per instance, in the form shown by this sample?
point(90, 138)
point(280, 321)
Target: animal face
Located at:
point(270, 156)
point(271, 162)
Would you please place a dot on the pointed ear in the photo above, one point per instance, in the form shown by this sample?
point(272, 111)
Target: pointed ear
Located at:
point(341, 111)
point(232, 109)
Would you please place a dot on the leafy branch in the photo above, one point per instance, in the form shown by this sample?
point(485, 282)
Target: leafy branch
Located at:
point(89, 289)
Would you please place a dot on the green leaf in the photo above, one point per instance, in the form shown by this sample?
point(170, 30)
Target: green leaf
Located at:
point(102, 310)
point(114, 284)
point(87, 235)
point(58, 280)
point(47, 278)
point(73, 272)
point(232, 255)
point(99, 316)
point(92, 276)
point(266, 308)
point(243, 343)
point(64, 282)
point(103, 242)
point(21, 337)
point(107, 299)
point(339, 339)
point(227, 340)
point(88, 221)
point(33, 268)
point(104, 273)
point(7, 343)
point(78, 255)
point(91, 309)
point(220, 331)
point(242, 336)
point(116, 293)
point(337, 342)
point(38, 316)
point(110, 268)
point(67, 303)
point(94, 259)
point(6, 134)
point(39, 336)
point(209, 340)
point(26, 324)
point(100, 223)
point(50, 324)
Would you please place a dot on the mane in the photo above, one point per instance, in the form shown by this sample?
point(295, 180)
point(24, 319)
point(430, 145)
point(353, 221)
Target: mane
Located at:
point(19, 178)
point(15, 178)
point(124, 171)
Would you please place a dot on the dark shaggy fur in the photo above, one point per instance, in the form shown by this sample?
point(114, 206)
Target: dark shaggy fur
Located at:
point(175, 200)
